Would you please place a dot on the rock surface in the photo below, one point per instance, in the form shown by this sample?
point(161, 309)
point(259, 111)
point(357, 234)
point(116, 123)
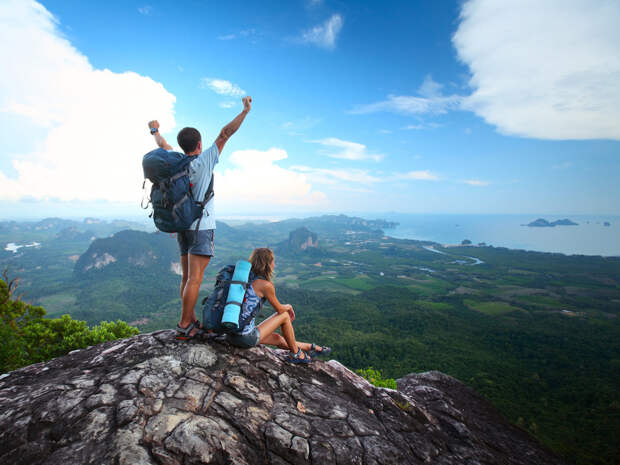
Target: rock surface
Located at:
point(152, 400)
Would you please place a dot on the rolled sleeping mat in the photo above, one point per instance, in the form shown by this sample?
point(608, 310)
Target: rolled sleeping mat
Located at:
point(236, 293)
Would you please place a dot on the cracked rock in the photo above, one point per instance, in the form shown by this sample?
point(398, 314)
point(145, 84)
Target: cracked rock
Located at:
point(152, 400)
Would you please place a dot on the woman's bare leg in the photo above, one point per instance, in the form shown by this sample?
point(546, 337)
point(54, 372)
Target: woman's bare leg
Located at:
point(268, 336)
point(274, 339)
point(282, 321)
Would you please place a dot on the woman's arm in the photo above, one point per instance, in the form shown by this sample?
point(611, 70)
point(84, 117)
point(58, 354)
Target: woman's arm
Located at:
point(269, 292)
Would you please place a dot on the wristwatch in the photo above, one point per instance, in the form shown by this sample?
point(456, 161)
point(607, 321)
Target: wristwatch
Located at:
point(153, 130)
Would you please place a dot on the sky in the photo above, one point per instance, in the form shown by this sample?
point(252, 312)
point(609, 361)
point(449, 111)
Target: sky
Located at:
point(464, 107)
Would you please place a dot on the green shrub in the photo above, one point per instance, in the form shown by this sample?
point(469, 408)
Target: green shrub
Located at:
point(28, 337)
point(375, 377)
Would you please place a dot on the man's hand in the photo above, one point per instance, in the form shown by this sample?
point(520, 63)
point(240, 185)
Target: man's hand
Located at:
point(247, 103)
point(159, 139)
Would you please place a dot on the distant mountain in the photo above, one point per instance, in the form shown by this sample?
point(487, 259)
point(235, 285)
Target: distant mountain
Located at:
point(542, 223)
point(47, 224)
point(299, 240)
point(50, 228)
point(325, 224)
point(130, 249)
point(74, 234)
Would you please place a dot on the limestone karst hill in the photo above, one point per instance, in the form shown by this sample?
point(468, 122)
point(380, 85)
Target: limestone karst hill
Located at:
point(152, 400)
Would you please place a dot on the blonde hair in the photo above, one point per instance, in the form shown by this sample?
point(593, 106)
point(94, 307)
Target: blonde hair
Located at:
point(261, 260)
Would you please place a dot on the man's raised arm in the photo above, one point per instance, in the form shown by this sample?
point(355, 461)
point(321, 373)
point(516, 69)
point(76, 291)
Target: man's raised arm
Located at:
point(232, 127)
point(161, 142)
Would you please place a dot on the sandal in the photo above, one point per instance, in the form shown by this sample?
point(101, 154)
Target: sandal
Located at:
point(315, 353)
point(295, 358)
point(183, 334)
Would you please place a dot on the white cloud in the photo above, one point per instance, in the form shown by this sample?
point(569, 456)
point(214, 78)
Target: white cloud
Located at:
point(145, 10)
point(424, 175)
point(408, 105)
point(430, 100)
point(563, 166)
point(223, 87)
point(247, 32)
point(243, 33)
point(422, 126)
point(351, 179)
point(549, 70)
point(228, 104)
point(93, 120)
point(336, 177)
point(324, 35)
point(298, 127)
point(347, 150)
point(476, 182)
point(256, 177)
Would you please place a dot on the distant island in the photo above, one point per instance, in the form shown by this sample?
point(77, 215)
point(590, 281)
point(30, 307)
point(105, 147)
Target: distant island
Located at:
point(542, 223)
point(606, 223)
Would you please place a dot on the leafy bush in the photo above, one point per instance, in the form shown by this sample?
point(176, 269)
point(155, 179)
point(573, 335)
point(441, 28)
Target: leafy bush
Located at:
point(375, 377)
point(28, 337)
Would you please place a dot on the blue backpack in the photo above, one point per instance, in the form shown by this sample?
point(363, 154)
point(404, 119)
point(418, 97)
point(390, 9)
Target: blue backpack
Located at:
point(174, 205)
point(214, 303)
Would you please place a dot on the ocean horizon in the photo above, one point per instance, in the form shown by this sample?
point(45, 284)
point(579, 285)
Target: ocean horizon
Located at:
point(589, 237)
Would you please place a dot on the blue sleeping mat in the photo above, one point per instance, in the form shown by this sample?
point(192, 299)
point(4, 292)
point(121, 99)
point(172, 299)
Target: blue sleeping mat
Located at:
point(236, 293)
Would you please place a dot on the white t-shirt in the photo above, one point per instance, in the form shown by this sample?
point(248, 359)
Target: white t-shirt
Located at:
point(200, 171)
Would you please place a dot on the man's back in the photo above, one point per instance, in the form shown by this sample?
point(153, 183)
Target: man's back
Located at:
point(200, 172)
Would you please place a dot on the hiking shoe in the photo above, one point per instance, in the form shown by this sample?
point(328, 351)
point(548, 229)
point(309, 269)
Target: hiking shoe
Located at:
point(317, 353)
point(183, 334)
point(296, 358)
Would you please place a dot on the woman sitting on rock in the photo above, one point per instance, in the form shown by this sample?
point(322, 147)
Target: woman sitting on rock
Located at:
point(259, 290)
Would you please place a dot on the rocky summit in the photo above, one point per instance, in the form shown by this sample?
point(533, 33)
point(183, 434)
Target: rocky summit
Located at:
point(153, 400)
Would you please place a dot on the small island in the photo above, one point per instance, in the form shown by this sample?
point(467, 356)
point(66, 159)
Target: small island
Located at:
point(542, 223)
point(607, 223)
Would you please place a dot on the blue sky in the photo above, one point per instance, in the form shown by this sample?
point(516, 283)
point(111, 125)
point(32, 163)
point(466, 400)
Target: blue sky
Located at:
point(417, 107)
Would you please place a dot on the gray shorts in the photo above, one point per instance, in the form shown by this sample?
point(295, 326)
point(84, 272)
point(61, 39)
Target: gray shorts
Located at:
point(245, 340)
point(204, 244)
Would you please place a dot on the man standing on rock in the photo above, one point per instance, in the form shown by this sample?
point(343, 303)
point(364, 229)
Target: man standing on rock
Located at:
point(196, 251)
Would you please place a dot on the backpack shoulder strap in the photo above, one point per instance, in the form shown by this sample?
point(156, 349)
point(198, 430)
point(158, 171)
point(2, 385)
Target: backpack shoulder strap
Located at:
point(208, 196)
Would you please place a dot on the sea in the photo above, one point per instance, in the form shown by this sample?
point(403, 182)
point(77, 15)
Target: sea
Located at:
point(589, 237)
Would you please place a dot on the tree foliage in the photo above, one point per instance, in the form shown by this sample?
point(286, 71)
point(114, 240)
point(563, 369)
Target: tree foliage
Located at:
point(28, 337)
point(375, 377)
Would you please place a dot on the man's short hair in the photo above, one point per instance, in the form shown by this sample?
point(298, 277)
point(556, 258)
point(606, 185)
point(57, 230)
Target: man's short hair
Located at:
point(188, 139)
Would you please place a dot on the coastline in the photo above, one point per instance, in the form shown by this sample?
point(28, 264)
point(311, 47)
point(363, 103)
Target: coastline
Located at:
point(590, 237)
